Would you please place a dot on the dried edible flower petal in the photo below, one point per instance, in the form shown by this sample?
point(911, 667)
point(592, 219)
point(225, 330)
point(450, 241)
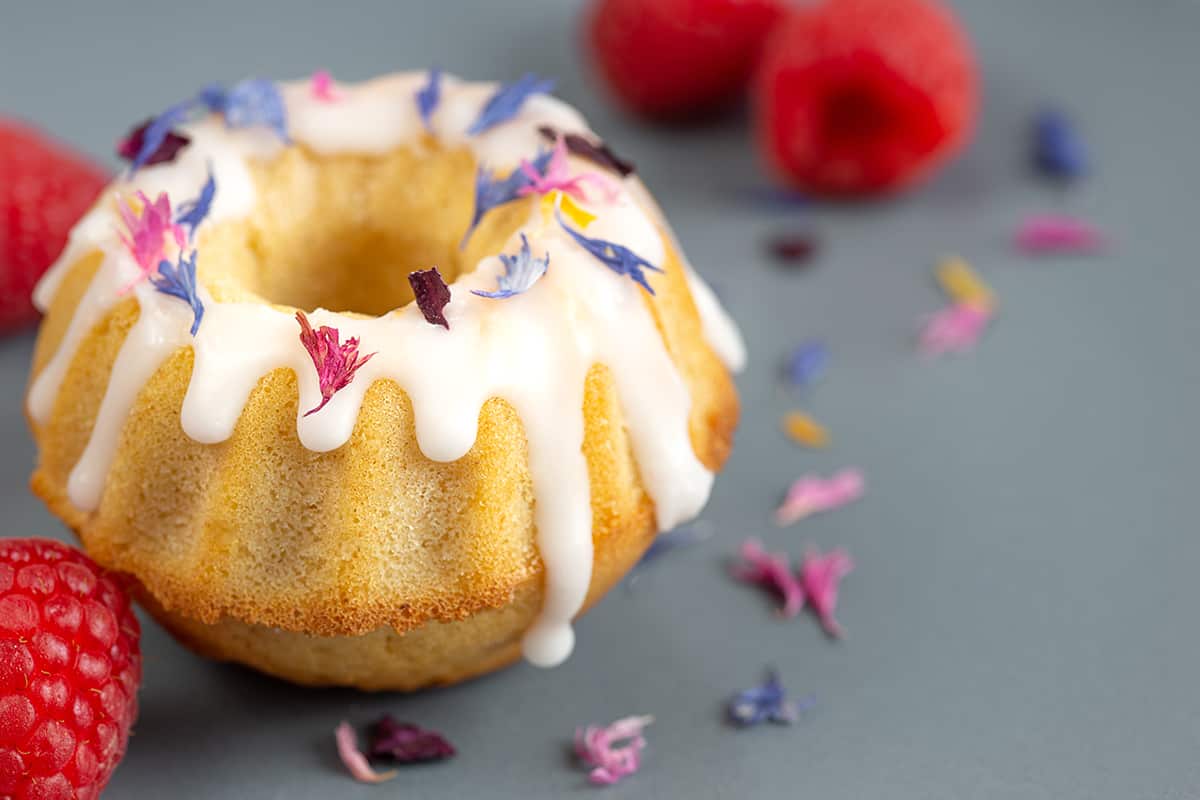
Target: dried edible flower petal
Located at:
point(492, 192)
point(335, 362)
point(612, 751)
point(765, 703)
point(521, 272)
point(793, 249)
point(957, 328)
point(812, 494)
point(169, 143)
point(323, 88)
point(1058, 149)
point(616, 257)
point(820, 576)
point(556, 176)
point(179, 280)
point(557, 200)
point(507, 101)
point(962, 284)
point(1054, 234)
point(146, 233)
point(251, 102)
point(429, 96)
point(354, 760)
point(193, 212)
point(806, 363)
point(406, 743)
point(155, 140)
point(803, 429)
point(772, 572)
point(432, 294)
point(596, 151)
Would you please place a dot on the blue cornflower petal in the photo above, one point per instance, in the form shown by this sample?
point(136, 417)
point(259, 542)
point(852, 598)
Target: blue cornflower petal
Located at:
point(507, 101)
point(192, 212)
point(253, 102)
point(429, 96)
point(521, 272)
point(806, 363)
point(156, 133)
point(1058, 150)
point(618, 258)
point(765, 703)
point(491, 192)
point(179, 281)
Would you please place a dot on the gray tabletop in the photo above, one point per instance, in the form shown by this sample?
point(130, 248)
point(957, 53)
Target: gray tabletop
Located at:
point(1022, 620)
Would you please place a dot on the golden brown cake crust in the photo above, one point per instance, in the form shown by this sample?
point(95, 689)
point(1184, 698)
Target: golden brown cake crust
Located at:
point(344, 567)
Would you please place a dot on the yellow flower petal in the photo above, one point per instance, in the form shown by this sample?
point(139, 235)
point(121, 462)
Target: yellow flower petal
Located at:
point(570, 208)
point(962, 284)
point(804, 430)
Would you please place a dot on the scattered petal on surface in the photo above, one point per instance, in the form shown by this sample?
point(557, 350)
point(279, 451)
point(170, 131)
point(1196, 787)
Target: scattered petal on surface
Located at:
point(147, 232)
point(556, 176)
point(355, 761)
point(962, 284)
point(521, 272)
point(1058, 149)
point(803, 429)
point(957, 328)
point(793, 249)
point(1054, 234)
point(806, 363)
point(595, 151)
point(765, 703)
point(406, 743)
point(130, 148)
point(429, 96)
point(492, 192)
point(179, 280)
point(770, 571)
point(616, 257)
point(322, 87)
point(812, 494)
point(507, 101)
point(335, 363)
point(432, 294)
point(191, 213)
point(820, 576)
point(613, 751)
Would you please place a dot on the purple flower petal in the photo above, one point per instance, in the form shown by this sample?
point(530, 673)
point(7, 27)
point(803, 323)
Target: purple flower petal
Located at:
point(406, 743)
point(179, 281)
point(432, 294)
point(521, 272)
point(168, 147)
point(596, 151)
point(491, 192)
point(193, 212)
point(765, 703)
point(335, 362)
point(617, 257)
point(252, 102)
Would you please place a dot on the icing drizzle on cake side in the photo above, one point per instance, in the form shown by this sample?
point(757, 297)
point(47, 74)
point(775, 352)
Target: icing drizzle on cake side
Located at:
point(532, 350)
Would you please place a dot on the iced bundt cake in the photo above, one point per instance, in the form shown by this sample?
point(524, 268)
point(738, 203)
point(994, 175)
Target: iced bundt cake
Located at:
point(517, 383)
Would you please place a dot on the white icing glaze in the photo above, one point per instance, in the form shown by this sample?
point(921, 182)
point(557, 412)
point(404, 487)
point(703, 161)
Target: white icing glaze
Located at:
point(533, 350)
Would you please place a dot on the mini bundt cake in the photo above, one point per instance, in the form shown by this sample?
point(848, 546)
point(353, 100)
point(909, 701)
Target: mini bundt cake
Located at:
point(521, 380)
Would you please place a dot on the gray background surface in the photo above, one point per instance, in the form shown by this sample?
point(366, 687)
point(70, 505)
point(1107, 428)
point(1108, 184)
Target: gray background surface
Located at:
point(1022, 620)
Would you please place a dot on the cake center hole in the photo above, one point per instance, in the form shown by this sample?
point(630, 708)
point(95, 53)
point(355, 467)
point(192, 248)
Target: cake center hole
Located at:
point(344, 232)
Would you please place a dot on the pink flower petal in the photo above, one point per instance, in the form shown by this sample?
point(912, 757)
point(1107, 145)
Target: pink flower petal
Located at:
point(770, 571)
point(820, 575)
point(355, 761)
point(557, 177)
point(957, 328)
point(1054, 233)
point(335, 362)
point(322, 87)
point(147, 233)
point(811, 494)
point(613, 751)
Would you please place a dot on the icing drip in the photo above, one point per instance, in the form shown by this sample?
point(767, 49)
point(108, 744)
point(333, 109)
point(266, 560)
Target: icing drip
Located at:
point(533, 350)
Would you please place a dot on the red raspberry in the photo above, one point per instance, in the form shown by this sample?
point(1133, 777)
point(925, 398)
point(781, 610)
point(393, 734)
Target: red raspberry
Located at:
point(44, 189)
point(69, 672)
point(672, 59)
point(865, 96)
